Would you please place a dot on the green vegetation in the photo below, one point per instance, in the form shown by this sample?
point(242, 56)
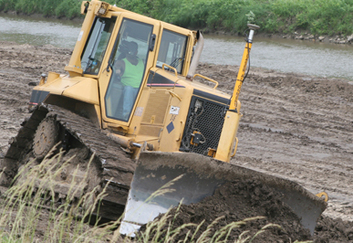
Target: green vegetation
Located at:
point(58, 8)
point(274, 16)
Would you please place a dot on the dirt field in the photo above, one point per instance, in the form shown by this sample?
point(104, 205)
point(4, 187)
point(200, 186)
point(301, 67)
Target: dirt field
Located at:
point(294, 126)
point(297, 127)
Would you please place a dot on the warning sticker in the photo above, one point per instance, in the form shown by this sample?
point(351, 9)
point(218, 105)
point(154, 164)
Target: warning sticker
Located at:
point(174, 110)
point(170, 127)
point(138, 111)
point(80, 36)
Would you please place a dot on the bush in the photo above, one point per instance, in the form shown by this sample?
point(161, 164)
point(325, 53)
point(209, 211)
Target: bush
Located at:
point(6, 5)
point(274, 16)
point(68, 8)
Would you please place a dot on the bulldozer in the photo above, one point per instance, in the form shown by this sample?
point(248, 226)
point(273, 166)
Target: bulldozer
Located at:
point(131, 101)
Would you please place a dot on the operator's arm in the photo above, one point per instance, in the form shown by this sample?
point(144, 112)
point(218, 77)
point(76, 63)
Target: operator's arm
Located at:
point(119, 67)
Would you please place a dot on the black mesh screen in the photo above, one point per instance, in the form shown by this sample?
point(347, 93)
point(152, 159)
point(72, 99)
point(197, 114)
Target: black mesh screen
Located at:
point(205, 118)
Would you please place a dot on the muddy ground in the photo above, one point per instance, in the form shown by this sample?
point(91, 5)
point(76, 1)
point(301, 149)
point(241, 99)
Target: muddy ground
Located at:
point(233, 202)
point(293, 126)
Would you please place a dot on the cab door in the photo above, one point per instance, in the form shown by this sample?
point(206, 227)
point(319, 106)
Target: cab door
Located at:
point(131, 56)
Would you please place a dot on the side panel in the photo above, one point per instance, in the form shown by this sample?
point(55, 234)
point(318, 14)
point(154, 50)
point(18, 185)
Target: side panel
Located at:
point(176, 115)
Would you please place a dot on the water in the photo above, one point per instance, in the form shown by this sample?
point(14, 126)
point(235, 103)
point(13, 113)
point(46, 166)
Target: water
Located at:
point(39, 31)
point(320, 59)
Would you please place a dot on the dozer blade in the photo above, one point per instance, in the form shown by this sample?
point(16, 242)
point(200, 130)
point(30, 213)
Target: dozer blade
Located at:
point(198, 177)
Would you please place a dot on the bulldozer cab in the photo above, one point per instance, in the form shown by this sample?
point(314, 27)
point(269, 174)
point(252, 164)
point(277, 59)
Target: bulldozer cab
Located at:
point(121, 50)
point(124, 46)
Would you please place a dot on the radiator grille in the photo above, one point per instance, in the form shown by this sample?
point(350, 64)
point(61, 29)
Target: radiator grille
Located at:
point(207, 118)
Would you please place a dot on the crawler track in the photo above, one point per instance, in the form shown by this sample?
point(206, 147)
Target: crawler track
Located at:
point(110, 163)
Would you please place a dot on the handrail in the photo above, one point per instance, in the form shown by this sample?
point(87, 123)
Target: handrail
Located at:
point(209, 79)
point(166, 65)
point(173, 94)
point(235, 147)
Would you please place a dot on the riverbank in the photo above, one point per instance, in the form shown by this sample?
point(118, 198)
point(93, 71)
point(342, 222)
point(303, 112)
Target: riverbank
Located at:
point(304, 36)
point(303, 19)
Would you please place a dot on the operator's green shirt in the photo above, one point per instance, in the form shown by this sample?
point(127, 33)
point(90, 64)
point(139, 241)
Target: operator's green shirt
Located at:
point(132, 74)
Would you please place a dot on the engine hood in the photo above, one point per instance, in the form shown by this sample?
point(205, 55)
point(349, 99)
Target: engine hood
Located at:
point(79, 88)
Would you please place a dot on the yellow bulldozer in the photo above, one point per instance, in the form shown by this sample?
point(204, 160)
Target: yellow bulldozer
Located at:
point(130, 101)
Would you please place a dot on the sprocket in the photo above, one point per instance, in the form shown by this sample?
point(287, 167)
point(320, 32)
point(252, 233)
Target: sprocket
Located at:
point(45, 138)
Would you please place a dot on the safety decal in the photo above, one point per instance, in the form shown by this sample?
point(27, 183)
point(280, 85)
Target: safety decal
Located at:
point(174, 110)
point(170, 127)
point(138, 111)
point(80, 36)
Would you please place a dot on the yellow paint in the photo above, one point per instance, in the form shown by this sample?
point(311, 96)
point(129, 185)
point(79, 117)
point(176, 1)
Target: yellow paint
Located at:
point(86, 90)
point(240, 77)
point(229, 131)
point(323, 194)
point(228, 135)
point(83, 89)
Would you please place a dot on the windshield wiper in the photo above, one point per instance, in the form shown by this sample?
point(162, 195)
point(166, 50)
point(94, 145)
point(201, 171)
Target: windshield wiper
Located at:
point(177, 61)
point(112, 53)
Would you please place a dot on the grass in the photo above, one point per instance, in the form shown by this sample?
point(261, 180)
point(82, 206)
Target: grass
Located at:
point(29, 213)
point(29, 201)
point(157, 231)
point(319, 17)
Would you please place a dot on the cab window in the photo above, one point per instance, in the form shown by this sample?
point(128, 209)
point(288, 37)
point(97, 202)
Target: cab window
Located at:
point(128, 63)
point(172, 50)
point(96, 45)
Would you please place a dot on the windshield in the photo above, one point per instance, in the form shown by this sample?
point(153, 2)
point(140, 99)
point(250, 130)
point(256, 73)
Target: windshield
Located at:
point(96, 45)
point(172, 50)
point(128, 63)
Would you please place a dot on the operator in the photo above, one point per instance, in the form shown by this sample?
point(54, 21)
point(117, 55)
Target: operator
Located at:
point(130, 69)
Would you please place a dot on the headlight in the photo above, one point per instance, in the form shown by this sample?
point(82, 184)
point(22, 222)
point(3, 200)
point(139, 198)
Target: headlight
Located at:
point(102, 8)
